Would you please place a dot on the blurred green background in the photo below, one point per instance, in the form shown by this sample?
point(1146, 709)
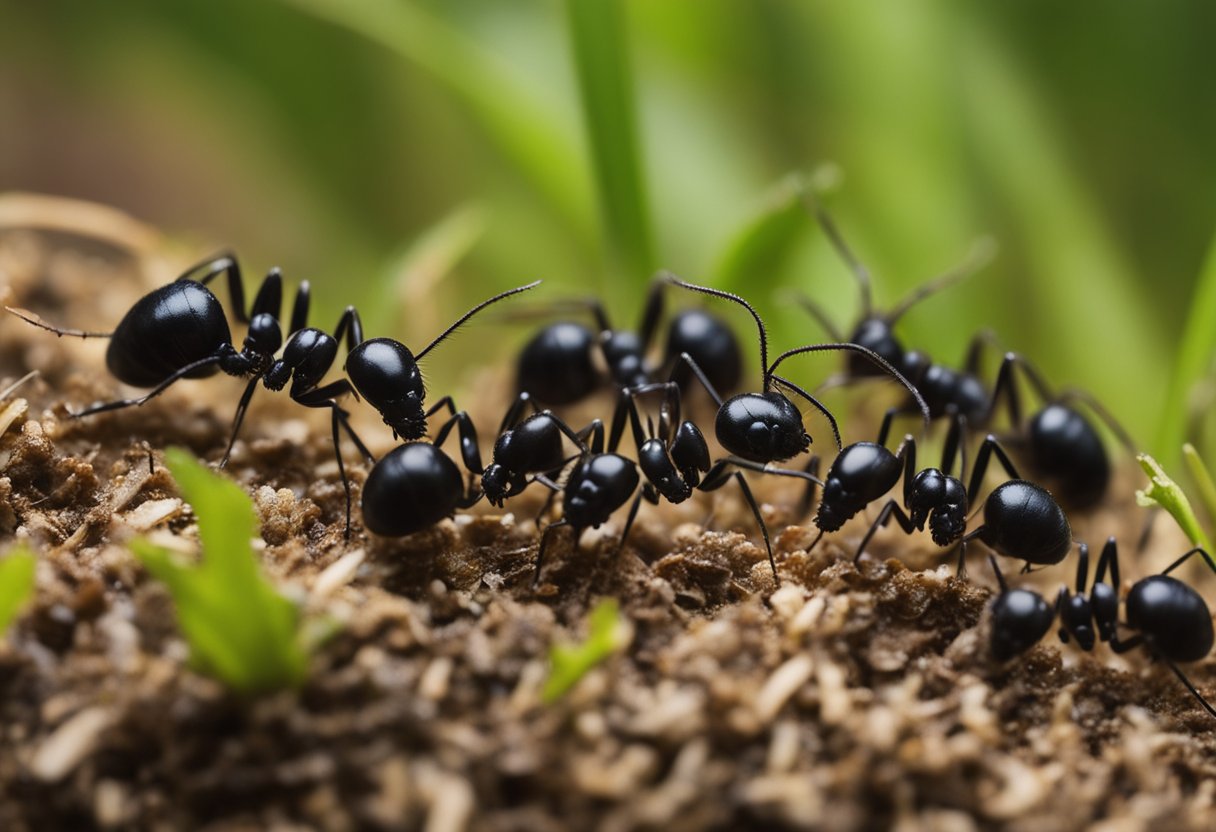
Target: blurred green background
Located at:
point(471, 145)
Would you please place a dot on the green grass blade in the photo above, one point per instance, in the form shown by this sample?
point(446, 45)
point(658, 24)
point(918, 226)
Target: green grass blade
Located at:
point(1193, 358)
point(16, 584)
point(601, 55)
point(1202, 478)
point(606, 634)
point(532, 135)
point(1163, 491)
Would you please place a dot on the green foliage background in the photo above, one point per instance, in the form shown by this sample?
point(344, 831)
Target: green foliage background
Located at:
point(328, 135)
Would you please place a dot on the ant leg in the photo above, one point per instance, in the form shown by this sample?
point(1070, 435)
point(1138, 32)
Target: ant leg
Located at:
point(1000, 579)
point(686, 360)
point(590, 437)
point(651, 497)
point(625, 406)
point(860, 273)
point(889, 511)
point(808, 494)
point(720, 473)
point(1123, 646)
point(885, 429)
point(983, 339)
point(991, 444)
point(1182, 678)
point(544, 542)
point(239, 418)
point(156, 391)
point(981, 253)
point(351, 326)
point(326, 397)
point(768, 468)
point(465, 317)
point(515, 412)
point(445, 402)
point(907, 451)
point(300, 307)
point(212, 268)
point(818, 405)
point(1006, 385)
point(652, 313)
point(470, 451)
point(951, 448)
point(269, 299)
point(751, 501)
point(1198, 550)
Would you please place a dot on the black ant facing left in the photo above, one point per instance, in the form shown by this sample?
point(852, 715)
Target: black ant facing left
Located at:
point(180, 331)
point(1167, 617)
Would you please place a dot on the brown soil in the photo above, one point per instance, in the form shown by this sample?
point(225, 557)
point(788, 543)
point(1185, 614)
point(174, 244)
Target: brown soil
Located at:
point(838, 700)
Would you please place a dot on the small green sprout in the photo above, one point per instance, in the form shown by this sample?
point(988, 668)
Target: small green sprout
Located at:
point(16, 584)
point(1163, 491)
point(240, 629)
point(606, 634)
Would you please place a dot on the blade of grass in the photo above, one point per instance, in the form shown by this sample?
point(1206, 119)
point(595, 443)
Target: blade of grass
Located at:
point(1203, 480)
point(16, 584)
point(535, 138)
point(1163, 491)
point(601, 56)
point(1193, 358)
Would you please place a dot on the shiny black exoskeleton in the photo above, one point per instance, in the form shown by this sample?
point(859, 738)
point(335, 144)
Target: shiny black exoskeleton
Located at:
point(387, 375)
point(529, 446)
point(1169, 618)
point(1061, 445)
point(416, 485)
point(1021, 520)
point(597, 485)
point(558, 365)
point(179, 331)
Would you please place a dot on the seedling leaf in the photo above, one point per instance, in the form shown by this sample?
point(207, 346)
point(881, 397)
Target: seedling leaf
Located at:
point(606, 634)
point(16, 584)
point(1163, 491)
point(240, 629)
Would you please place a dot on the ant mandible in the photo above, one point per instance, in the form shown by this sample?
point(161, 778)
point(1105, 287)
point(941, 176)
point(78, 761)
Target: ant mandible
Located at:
point(180, 331)
point(558, 366)
point(1169, 618)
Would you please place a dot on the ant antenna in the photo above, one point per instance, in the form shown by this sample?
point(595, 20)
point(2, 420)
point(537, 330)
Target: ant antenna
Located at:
point(718, 293)
point(981, 254)
point(30, 318)
point(846, 254)
point(870, 354)
point(463, 318)
point(4, 394)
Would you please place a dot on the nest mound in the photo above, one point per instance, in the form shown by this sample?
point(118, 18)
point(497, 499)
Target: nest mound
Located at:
point(838, 699)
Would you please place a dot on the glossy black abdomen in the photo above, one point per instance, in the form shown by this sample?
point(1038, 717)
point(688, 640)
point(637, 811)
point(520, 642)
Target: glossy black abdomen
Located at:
point(166, 330)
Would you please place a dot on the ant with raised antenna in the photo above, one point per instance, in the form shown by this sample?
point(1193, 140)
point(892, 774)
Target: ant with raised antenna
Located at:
point(1168, 617)
point(758, 429)
point(1060, 443)
point(558, 364)
point(180, 331)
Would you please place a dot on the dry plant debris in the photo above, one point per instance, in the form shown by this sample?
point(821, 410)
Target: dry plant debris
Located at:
point(842, 699)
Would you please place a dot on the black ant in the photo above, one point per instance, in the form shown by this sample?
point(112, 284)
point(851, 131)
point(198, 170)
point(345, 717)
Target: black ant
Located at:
point(558, 364)
point(386, 374)
point(531, 445)
point(1169, 618)
point(416, 485)
point(180, 331)
point(1021, 519)
point(675, 459)
point(757, 429)
point(1061, 444)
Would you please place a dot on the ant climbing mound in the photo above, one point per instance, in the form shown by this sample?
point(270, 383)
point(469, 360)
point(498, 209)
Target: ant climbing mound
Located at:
point(1167, 617)
point(179, 331)
point(558, 365)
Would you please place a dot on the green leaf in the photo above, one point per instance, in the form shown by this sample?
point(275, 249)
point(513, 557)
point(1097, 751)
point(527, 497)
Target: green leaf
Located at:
point(16, 584)
point(1163, 491)
point(758, 249)
point(1193, 358)
point(239, 628)
point(606, 634)
point(601, 55)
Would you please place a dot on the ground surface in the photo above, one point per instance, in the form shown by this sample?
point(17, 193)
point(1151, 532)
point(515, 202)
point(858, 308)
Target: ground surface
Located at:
point(838, 700)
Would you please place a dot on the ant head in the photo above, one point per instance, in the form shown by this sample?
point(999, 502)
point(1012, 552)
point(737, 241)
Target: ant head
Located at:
point(264, 336)
point(942, 501)
point(875, 333)
point(497, 484)
point(623, 352)
point(761, 427)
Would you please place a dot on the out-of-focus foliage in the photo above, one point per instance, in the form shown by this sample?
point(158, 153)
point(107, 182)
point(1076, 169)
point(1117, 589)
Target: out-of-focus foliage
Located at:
point(607, 633)
point(16, 583)
point(326, 135)
point(1164, 492)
